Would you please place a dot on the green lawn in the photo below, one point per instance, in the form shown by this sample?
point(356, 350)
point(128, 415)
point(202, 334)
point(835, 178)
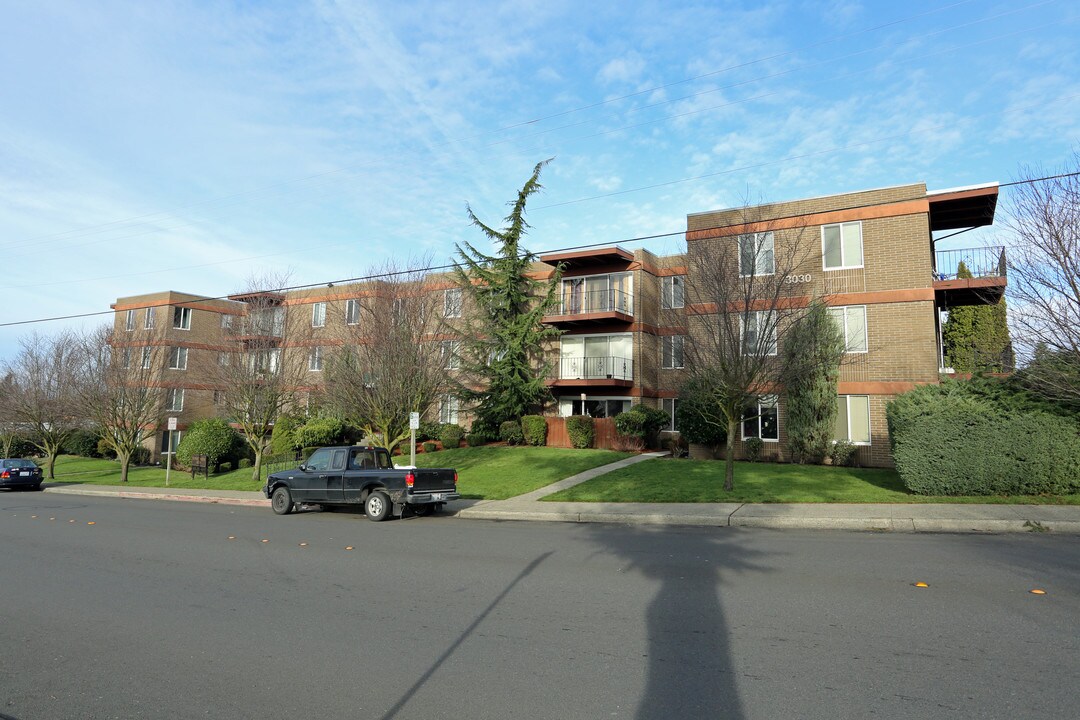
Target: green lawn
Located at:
point(496, 472)
point(701, 481)
point(97, 471)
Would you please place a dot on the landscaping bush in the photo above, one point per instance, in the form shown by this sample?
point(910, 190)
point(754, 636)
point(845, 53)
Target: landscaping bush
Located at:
point(244, 464)
point(450, 436)
point(141, 456)
point(17, 446)
point(534, 428)
point(475, 439)
point(283, 438)
point(842, 453)
point(510, 433)
point(83, 443)
point(320, 432)
point(947, 443)
point(753, 447)
point(430, 447)
point(581, 431)
point(212, 437)
point(103, 449)
point(429, 430)
point(691, 418)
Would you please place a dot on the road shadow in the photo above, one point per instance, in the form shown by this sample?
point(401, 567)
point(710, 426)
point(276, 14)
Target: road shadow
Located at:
point(691, 672)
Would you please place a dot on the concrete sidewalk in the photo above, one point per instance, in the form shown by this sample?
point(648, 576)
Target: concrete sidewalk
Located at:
point(911, 517)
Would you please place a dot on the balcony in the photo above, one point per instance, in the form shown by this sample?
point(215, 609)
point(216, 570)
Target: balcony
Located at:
point(987, 268)
point(592, 306)
point(606, 370)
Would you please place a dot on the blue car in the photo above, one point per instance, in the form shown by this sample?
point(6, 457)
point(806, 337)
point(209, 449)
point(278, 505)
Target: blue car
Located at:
point(20, 474)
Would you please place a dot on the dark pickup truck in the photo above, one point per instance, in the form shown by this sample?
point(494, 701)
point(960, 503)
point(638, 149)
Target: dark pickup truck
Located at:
point(360, 476)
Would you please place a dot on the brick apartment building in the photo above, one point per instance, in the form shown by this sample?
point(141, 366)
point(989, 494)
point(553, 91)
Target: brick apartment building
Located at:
point(623, 313)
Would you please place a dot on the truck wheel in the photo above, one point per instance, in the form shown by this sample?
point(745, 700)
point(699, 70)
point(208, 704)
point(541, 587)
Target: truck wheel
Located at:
point(281, 501)
point(423, 510)
point(377, 506)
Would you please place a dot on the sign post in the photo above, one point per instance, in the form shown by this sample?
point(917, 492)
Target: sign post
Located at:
point(414, 425)
point(168, 449)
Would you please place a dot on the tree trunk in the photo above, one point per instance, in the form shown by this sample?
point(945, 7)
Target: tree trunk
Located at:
point(256, 473)
point(729, 457)
point(50, 463)
point(125, 461)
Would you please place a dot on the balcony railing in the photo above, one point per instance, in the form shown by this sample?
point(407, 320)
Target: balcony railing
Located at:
point(595, 301)
point(607, 367)
point(981, 262)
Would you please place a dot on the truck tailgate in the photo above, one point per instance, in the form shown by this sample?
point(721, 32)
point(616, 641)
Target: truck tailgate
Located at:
point(434, 480)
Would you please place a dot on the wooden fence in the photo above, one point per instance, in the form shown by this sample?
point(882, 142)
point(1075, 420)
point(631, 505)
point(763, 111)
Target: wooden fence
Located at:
point(604, 436)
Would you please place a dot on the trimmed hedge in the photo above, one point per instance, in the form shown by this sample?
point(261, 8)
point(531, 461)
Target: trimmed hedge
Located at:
point(429, 446)
point(581, 431)
point(534, 428)
point(475, 439)
point(450, 436)
point(510, 433)
point(83, 443)
point(949, 444)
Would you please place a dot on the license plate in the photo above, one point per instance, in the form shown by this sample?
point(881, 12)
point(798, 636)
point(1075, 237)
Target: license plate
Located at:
point(24, 473)
point(436, 496)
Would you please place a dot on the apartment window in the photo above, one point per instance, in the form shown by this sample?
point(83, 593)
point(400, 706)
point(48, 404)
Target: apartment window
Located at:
point(448, 351)
point(170, 440)
point(318, 314)
point(853, 419)
point(315, 359)
point(148, 320)
point(130, 321)
point(448, 410)
point(671, 292)
point(841, 245)
point(672, 351)
point(452, 302)
point(226, 321)
point(174, 399)
point(181, 318)
point(762, 420)
point(398, 309)
point(852, 323)
point(126, 360)
point(352, 312)
point(178, 358)
point(222, 358)
point(147, 353)
point(266, 361)
point(756, 254)
point(669, 406)
point(759, 333)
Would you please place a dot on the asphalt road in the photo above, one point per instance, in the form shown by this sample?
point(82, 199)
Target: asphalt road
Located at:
point(116, 608)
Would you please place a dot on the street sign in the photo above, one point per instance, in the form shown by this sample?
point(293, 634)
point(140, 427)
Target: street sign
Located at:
point(172, 423)
point(414, 421)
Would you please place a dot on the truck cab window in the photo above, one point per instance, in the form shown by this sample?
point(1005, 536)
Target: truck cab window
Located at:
point(319, 460)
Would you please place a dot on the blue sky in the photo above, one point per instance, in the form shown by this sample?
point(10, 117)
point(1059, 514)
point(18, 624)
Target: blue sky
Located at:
point(189, 145)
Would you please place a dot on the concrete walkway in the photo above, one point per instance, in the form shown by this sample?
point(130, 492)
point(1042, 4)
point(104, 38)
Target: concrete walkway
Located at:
point(911, 517)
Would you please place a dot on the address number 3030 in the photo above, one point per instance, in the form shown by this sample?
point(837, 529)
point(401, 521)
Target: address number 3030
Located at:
point(793, 279)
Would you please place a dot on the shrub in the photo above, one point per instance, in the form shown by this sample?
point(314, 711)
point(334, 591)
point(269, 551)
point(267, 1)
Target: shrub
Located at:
point(631, 424)
point(450, 436)
point(842, 453)
point(430, 447)
point(581, 431)
point(244, 464)
point(510, 433)
point(103, 449)
point(141, 456)
point(283, 438)
point(475, 439)
point(429, 430)
point(19, 446)
point(534, 428)
point(691, 417)
point(320, 432)
point(753, 447)
point(812, 352)
point(211, 437)
point(83, 443)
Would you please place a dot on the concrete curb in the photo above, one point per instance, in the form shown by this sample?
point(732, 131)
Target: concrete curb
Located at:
point(196, 496)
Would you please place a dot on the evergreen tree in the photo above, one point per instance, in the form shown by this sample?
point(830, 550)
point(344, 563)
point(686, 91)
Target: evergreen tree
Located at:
point(814, 348)
point(976, 337)
point(502, 350)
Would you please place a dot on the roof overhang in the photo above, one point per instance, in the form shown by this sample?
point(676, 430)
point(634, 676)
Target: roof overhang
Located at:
point(965, 207)
point(589, 258)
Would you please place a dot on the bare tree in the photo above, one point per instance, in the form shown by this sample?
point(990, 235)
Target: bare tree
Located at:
point(8, 424)
point(43, 395)
point(742, 302)
point(1044, 275)
point(262, 374)
point(394, 360)
point(117, 389)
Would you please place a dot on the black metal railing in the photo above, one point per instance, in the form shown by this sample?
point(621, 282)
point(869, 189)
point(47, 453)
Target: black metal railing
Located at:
point(980, 262)
point(595, 301)
point(607, 367)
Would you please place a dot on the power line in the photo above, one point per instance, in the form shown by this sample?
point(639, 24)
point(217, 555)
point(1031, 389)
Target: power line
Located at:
point(450, 266)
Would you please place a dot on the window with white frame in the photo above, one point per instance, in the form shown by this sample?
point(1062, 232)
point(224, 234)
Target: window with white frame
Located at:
point(226, 321)
point(853, 419)
point(448, 351)
point(126, 358)
point(315, 359)
point(672, 294)
point(178, 358)
point(147, 353)
point(398, 310)
point(672, 351)
point(222, 358)
point(352, 312)
point(756, 256)
point(174, 399)
point(448, 409)
point(129, 324)
point(148, 319)
point(318, 314)
point(851, 320)
point(841, 246)
point(762, 420)
point(670, 406)
point(452, 302)
point(181, 318)
point(265, 361)
point(219, 397)
point(759, 333)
